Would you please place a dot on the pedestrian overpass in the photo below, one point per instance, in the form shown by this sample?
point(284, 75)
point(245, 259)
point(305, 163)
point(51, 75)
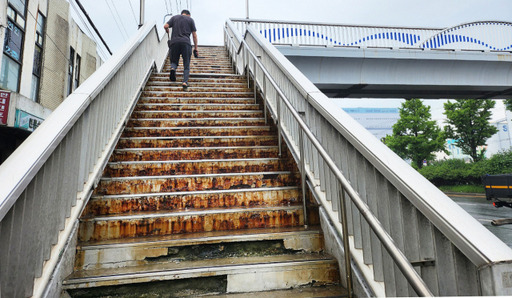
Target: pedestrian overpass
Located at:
point(470, 60)
point(392, 232)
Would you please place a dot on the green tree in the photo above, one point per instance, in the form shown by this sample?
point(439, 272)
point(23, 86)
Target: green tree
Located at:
point(468, 124)
point(508, 104)
point(415, 136)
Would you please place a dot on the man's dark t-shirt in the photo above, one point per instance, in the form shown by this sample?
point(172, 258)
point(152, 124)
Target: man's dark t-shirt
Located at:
point(182, 26)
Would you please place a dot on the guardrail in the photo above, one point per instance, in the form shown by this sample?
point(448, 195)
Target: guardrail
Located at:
point(394, 218)
point(484, 35)
point(47, 181)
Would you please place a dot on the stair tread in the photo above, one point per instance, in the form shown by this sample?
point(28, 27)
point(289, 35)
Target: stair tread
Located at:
point(197, 148)
point(209, 191)
point(194, 160)
point(198, 137)
point(195, 175)
point(211, 266)
point(190, 212)
point(201, 237)
point(262, 127)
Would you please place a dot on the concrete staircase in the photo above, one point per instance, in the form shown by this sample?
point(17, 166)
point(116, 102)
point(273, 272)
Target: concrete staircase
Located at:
point(196, 200)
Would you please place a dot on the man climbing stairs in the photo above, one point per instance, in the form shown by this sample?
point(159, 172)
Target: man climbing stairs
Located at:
point(196, 200)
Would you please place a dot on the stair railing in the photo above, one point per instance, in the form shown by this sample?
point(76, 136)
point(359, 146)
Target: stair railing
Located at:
point(413, 238)
point(47, 181)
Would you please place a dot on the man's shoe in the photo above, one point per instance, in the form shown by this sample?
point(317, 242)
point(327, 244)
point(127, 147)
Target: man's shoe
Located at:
point(173, 75)
point(185, 86)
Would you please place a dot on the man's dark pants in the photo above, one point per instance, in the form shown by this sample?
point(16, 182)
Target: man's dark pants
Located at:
point(185, 50)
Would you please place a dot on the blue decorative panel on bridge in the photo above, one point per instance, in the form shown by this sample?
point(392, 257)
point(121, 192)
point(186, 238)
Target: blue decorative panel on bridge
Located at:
point(495, 36)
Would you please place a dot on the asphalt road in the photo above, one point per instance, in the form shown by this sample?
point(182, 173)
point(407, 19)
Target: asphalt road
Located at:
point(485, 212)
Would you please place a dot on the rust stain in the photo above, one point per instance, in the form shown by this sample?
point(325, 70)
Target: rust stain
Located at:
point(190, 224)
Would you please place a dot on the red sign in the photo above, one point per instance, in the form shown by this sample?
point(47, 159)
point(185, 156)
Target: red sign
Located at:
point(4, 106)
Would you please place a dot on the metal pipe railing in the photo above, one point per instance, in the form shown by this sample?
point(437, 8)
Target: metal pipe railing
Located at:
point(400, 260)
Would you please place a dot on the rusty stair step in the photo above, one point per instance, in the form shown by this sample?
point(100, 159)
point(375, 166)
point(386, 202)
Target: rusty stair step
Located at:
point(197, 182)
point(170, 99)
point(192, 93)
point(198, 114)
point(139, 251)
point(204, 64)
point(203, 71)
point(205, 82)
point(202, 166)
point(176, 201)
point(203, 141)
point(270, 272)
point(136, 224)
point(198, 131)
point(196, 122)
point(147, 154)
point(195, 107)
point(162, 78)
point(194, 75)
point(173, 87)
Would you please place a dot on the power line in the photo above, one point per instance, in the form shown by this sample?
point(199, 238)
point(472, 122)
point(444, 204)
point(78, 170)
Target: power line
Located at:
point(119, 17)
point(116, 21)
point(91, 23)
point(166, 6)
point(133, 12)
point(170, 5)
point(91, 35)
point(48, 37)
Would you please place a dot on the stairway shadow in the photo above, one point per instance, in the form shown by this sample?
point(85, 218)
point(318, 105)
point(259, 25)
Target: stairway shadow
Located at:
point(196, 200)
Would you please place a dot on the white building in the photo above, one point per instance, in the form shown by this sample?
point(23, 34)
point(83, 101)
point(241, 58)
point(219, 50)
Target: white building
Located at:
point(44, 57)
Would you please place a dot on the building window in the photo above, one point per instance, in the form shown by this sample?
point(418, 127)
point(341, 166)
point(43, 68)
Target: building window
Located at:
point(19, 6)
point(77, 71)
point(9, 75)
point(13, 45)
point(38, 57)
point(71, 69)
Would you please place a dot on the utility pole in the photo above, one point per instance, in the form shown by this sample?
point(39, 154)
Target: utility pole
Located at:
point(141, 17)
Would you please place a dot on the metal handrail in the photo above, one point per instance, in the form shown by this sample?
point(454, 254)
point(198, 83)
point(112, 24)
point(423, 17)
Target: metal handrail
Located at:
point(401, 261)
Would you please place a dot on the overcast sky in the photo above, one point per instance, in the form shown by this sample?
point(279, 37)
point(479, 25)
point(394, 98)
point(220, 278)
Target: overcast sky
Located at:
point(118, 19)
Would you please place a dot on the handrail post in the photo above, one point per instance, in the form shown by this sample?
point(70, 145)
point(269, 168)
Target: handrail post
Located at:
point(303, 176)
point(265, 96)
point(255, 78)
point(246, 66)
point(279, 129)
point(346, 244)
